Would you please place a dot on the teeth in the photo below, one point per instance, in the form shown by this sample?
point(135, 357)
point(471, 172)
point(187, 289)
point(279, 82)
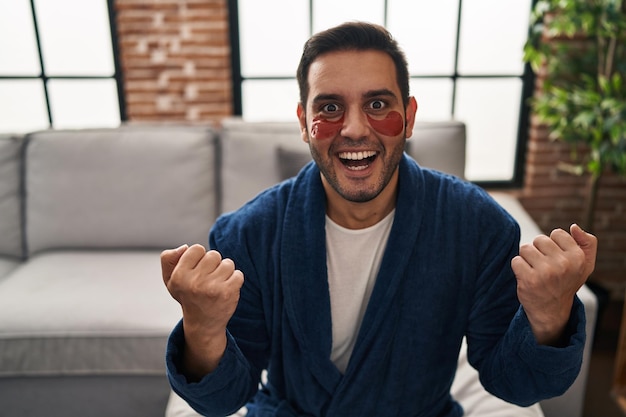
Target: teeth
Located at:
point(356, 156)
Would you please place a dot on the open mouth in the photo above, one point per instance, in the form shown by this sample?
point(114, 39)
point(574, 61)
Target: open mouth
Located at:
point(357, 160)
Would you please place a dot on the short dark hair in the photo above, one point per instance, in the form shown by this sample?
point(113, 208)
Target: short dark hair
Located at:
point(359, 36)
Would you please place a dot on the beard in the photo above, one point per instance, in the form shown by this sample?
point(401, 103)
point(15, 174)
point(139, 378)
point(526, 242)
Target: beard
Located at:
point(359, 190)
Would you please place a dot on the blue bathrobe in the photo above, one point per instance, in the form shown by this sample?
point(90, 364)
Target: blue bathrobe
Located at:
point(445, 274)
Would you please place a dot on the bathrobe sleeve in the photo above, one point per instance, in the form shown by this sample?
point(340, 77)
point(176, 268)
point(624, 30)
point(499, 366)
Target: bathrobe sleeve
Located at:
point(540, 372)
point(514, 367)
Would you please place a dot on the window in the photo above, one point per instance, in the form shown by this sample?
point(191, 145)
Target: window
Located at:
point(57, 66)
point(465, 62)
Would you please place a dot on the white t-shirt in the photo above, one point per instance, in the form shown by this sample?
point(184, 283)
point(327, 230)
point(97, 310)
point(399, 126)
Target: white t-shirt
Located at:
point(353, 259)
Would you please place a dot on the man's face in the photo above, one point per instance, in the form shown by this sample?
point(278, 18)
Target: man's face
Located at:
point(355, 122)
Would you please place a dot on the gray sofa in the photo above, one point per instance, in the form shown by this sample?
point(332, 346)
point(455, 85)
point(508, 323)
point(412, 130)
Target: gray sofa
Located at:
point(84, 214)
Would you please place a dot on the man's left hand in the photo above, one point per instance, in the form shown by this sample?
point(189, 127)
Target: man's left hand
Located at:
point(549, 272)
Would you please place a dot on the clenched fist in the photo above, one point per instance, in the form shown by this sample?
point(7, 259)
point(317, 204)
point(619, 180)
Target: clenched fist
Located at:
point(549, 272)
point(207, 288)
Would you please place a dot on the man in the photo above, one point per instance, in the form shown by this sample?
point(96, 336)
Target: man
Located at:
point(354, 283)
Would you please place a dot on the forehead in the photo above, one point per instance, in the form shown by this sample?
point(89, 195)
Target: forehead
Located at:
point(352, 73)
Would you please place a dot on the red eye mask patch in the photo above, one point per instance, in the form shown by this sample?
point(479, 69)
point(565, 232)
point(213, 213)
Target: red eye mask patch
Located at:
point(391, 125)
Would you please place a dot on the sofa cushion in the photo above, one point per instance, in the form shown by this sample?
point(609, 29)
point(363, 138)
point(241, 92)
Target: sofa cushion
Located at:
point(7, 264)
point(11, 242)
point(291, 161)
point(78, 313)
point(250, 161)
point(133, 187)
point(440, 146)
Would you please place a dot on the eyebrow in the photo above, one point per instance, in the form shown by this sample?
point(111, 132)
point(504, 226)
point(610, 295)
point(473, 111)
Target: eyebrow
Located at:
point(325, 97)
point(378, 93)
point(366, 95)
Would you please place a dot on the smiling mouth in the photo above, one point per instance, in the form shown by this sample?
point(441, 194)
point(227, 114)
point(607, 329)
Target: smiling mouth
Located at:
point(357, 160)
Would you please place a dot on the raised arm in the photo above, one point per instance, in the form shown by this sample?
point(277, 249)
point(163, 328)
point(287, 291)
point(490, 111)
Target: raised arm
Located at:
point(207, 288)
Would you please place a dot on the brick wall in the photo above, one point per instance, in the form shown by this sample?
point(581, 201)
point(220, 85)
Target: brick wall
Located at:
point(175, 57)
point(176, 65)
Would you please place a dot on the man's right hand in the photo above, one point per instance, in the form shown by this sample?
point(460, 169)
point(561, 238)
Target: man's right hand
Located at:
point(207, 288)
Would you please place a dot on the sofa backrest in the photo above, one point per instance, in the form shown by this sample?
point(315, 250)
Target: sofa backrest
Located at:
point(158, 186)
point(131, 187)
point(440, 146)
point(11, 241)
point(251, 157)
point(256, 155)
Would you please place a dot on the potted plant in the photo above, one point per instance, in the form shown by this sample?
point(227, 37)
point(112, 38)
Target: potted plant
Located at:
point(579, 48)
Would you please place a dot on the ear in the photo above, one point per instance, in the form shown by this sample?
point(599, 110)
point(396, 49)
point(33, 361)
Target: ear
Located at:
point(304, 133)
point(409, 117)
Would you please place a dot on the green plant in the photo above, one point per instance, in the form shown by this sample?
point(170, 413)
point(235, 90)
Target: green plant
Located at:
point(579, 48)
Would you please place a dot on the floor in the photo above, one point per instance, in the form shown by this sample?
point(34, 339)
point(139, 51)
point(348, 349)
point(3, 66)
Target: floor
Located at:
point(598, 399)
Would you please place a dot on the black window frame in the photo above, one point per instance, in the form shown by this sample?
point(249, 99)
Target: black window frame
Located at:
point(44, 77)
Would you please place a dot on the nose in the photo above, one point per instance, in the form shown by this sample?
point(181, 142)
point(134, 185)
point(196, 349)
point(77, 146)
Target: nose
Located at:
point(355, 125)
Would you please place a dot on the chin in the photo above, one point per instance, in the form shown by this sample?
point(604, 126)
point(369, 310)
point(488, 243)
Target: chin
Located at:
point(357, 196)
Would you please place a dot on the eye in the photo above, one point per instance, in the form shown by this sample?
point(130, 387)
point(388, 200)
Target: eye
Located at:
point(330, 108)
point(377, 105)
